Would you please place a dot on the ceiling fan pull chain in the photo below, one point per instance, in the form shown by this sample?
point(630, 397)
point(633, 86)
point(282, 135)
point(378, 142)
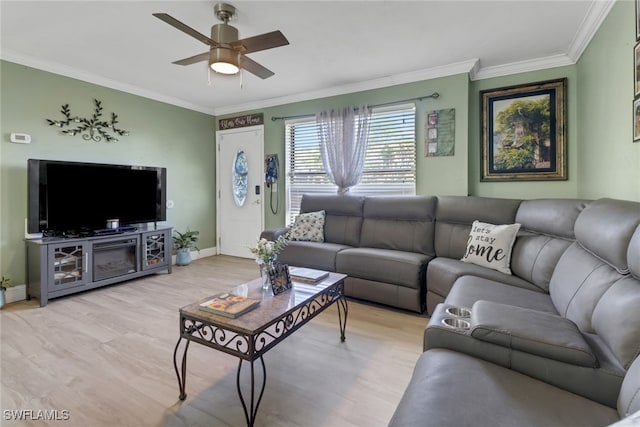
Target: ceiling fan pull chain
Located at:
point(208, 76)
point(241, 78)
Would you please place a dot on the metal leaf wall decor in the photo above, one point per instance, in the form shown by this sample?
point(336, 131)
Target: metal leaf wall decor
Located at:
point(92, 129)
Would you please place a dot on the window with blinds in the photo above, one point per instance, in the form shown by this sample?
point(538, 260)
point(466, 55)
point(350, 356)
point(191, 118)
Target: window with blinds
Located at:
point(389, 166)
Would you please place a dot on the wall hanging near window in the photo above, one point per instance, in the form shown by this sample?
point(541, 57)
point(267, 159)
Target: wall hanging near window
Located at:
point(91, 129)
point(440, 133)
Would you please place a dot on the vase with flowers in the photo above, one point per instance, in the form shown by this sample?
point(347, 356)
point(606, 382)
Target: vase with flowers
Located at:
point(265, 252)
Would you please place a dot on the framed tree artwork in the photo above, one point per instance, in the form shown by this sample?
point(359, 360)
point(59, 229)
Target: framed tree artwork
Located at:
point(524, 132)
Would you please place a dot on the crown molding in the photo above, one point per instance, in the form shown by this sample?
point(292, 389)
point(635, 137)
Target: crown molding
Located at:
point(523, 66)
point(598, 11)
point(55, 68)
point(596, 14)
point(462, 67)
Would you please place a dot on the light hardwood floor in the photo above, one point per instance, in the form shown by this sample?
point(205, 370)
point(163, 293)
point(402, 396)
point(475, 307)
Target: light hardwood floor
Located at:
point(106, 357)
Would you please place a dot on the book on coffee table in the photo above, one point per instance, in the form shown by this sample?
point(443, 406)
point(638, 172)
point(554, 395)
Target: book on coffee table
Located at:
point(229, 305)
point(307, 275)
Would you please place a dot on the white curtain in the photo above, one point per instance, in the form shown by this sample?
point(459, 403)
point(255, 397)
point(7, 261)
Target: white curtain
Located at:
point(343, 138)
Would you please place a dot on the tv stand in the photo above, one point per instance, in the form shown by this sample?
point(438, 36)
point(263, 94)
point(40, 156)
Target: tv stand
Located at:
point(108, 231)
point(58, 266)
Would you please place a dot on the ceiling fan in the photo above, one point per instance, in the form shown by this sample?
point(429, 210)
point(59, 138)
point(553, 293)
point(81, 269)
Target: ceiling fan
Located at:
point(227, 54)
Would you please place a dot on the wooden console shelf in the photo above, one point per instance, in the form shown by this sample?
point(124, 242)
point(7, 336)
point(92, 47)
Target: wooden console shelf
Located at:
point(63, 266)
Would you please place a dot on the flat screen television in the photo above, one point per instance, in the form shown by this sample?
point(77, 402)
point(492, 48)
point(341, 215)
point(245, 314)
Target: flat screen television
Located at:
point(76, 197)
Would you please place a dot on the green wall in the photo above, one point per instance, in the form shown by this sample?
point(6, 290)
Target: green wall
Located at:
point(435, 175)
point(609, 161)
point(160, 135)
point(602, 159)
point(525, 189)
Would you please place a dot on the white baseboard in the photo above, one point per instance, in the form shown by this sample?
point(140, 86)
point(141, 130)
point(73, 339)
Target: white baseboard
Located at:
point(19, 292)
point(15, 293)
point(202, 254)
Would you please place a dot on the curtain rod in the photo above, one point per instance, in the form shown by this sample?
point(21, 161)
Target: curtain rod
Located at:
point(434, 95)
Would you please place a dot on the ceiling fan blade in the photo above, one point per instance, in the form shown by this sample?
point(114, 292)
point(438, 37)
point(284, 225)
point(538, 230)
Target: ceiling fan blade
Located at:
point(254, 68)
point(193, 59)
point(261, 42)
point(185, 28)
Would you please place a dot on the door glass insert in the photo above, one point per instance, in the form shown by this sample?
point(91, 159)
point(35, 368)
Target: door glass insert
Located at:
point(240, 178)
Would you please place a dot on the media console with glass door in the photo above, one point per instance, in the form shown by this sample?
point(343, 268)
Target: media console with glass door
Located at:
point(63, 266)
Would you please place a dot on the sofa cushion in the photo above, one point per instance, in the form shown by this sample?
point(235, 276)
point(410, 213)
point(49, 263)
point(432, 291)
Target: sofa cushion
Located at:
point(321, 256)
point(605, 228)
point(490, 245)
point(531, 331)
point(469, 289)
point(454, 215)
point(443, 272)
point(399, 223)
point(452, 389)
point(633, 254)
point(616, 319)
point(535, 256)
point(553, 217)
point(578, 282)
point(629, 397)
point(383, 265)
point(343, 218)
point(385, 293)
point(547, 230)
point(308, 227)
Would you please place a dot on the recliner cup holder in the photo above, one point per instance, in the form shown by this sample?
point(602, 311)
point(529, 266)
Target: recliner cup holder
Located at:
point(456, 323)
point(458, 312)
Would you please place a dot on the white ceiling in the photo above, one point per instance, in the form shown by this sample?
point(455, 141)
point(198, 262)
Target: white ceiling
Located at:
point(335, 46)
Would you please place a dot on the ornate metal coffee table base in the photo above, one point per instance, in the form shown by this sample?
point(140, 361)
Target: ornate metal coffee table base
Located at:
point(239, 337)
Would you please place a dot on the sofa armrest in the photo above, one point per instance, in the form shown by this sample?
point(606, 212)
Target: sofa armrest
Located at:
point(531, 331)
point(273, 233)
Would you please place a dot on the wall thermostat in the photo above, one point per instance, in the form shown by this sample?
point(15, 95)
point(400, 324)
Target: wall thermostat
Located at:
point(20, 138)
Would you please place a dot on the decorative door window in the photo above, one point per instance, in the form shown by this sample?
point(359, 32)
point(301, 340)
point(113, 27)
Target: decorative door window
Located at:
point(240, 178)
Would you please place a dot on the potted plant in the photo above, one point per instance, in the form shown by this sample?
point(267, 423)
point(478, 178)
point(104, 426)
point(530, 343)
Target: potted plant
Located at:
point(265, 252)
point(183, 242)
point(4, 284)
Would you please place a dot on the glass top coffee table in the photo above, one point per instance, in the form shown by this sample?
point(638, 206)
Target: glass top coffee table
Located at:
point(254, 333)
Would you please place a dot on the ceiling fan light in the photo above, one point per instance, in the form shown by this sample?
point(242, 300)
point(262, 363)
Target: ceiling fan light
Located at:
point(224, 68)
point(224, 61)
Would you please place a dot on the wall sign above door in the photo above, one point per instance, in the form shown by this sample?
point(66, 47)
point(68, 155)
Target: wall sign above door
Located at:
point(241, 121)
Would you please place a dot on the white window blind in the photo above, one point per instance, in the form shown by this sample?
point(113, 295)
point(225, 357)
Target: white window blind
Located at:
point(389, 166)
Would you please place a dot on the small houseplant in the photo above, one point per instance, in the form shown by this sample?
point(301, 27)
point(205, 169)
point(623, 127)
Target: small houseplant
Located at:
point(4, 284)
point(265, 252)
point(183, 242)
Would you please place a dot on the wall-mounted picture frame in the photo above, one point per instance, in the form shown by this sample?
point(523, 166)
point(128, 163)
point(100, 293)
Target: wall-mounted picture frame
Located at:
point(280, 278)
point(524, 132)
point(637, 19)
point(636, 69)
point(636, 120)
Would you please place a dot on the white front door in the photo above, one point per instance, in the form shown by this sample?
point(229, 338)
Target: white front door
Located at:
point(240, 168)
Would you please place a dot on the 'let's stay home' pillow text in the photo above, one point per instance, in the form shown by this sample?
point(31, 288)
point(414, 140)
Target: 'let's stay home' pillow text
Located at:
point(490, 245)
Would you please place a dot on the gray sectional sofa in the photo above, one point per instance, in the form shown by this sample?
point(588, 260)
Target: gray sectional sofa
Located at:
point(383, 245)
point(563, 358)
point(554, 343)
